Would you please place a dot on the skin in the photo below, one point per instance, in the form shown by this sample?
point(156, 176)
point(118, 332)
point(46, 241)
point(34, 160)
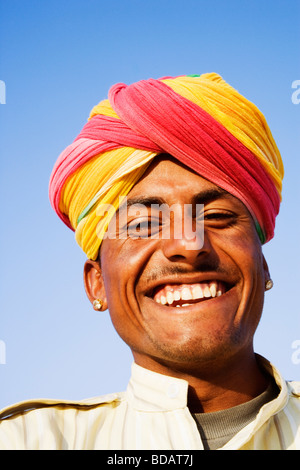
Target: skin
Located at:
point(210, 343)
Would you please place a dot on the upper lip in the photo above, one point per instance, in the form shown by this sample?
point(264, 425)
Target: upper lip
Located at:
point(189, 279)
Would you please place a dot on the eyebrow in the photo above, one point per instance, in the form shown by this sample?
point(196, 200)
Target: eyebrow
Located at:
point(210, 195)
point(204, 197)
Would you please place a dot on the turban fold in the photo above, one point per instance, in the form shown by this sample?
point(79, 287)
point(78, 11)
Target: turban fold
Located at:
point(199, 119)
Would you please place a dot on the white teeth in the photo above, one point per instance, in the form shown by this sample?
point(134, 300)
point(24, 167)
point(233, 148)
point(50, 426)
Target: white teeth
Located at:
point(213, 289)
point(197, 292)
point(206, 292)
point(170, 297)
point(176, 295)
point(188, 292)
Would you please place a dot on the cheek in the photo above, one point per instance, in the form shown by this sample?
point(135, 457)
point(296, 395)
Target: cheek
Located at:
point(248, 257)
point(243, 247)
point(242, 250)
point(122, 263)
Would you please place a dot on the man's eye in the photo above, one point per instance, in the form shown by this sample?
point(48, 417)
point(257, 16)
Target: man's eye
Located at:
point(142, 228)
point(217, 215)
point(225, 219)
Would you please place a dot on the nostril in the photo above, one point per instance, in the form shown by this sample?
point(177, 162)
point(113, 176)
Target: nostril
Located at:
point(182, 250)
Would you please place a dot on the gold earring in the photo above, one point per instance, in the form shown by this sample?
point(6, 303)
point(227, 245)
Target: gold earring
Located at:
point(97, 304)
point(269, 284)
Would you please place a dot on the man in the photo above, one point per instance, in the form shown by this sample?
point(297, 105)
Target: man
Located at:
point(171, 188)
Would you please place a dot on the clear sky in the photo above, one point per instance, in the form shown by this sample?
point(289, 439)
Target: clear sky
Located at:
point(58, 58)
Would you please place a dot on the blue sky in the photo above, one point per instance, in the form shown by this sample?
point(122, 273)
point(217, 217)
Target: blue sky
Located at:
point(58, 59)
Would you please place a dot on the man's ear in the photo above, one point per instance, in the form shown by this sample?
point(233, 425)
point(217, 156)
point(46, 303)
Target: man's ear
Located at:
point(93, 283)
point(266, 270)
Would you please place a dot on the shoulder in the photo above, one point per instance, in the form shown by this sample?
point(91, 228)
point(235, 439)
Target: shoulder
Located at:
point(36, 424)
point(292, 409)
point(294, 389)
point(27, 406)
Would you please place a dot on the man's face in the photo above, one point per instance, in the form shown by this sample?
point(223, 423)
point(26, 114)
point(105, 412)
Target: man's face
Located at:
point(177, 303)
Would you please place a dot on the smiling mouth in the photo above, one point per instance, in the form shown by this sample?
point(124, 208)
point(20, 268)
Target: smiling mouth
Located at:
point(184, 295)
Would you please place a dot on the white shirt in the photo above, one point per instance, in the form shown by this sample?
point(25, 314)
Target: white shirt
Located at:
point(152, 414)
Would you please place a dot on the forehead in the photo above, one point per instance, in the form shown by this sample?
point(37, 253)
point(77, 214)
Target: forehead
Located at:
point(167, 178)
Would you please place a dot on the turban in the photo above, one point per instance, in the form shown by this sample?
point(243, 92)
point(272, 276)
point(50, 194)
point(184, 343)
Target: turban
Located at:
point(200, 120)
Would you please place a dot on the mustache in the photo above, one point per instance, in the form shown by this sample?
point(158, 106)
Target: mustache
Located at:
point(166, 271)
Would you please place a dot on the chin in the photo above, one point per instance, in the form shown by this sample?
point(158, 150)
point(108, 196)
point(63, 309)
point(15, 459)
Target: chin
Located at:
point(199, 352)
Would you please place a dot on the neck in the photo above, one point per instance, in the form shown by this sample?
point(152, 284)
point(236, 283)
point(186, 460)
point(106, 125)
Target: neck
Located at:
point(218, 386)
point(229, 387)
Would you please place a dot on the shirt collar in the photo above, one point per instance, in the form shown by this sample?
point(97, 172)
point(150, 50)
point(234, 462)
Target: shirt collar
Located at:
point(151, 391)
point(281, 400)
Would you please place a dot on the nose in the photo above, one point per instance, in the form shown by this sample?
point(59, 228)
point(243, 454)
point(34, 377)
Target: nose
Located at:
point(186, 240)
